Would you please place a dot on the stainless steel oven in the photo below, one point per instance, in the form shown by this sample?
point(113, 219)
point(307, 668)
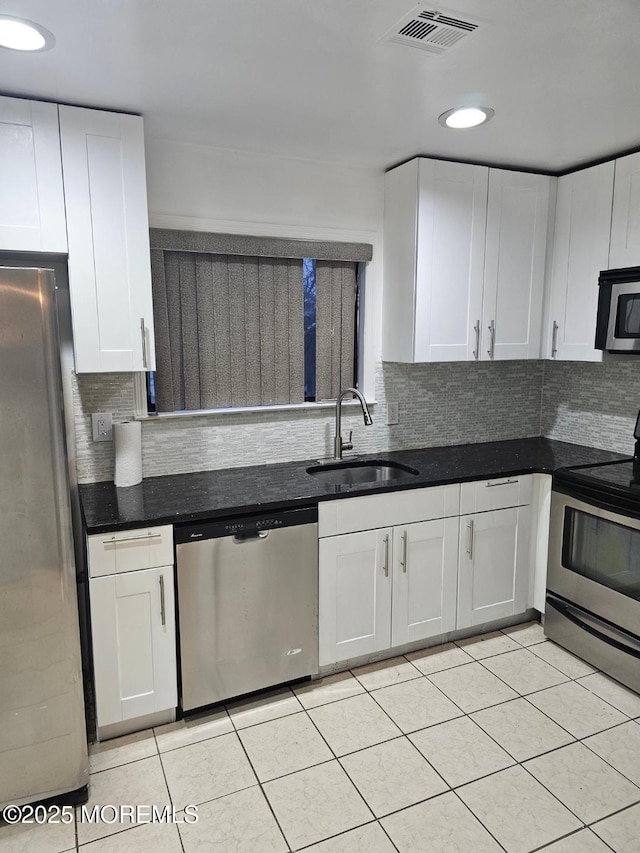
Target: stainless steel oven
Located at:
point(593, 582)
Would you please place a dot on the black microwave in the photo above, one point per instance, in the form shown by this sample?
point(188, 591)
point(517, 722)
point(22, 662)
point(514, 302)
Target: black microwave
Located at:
point(618, 320)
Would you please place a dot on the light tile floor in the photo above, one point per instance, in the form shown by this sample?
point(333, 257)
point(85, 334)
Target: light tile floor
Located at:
point(504, 742)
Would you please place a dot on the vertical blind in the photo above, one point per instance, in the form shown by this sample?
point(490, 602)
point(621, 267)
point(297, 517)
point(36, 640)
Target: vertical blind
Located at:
point(335, 327)
point(229, 328)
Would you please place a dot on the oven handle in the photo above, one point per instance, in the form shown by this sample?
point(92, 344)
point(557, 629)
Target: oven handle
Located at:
point(566, 611)
point(590, 495)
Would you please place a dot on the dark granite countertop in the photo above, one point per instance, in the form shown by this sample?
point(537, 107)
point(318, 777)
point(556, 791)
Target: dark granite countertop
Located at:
point(231, 491)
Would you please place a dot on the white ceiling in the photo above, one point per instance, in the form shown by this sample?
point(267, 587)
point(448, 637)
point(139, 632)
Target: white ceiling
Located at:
point(310, 78)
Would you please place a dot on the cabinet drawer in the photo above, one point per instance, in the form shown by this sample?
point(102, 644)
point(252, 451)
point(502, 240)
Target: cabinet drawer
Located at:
point(374, 511)
point(130, 550)
point(499, 493)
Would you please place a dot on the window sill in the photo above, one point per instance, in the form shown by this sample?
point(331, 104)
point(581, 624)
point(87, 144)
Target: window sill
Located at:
point(240, 410)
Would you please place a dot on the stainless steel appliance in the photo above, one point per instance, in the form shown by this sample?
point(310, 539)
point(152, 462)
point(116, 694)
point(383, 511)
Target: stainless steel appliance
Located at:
point(618, 319)
point(247, 604)
point(43, 751)
point(593, 581)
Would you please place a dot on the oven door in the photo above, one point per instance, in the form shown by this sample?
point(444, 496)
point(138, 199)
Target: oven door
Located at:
point(623, 332)
point(594, 560)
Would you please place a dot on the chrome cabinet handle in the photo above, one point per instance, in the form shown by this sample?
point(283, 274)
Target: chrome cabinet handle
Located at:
point(476, 351)
point(115, 539)
point(163, 615)
point(503, 483)
point(470, 539)
point(403, 561)
point(385, 565)
point(143, 332)
point(492, 338)
point(554, 340)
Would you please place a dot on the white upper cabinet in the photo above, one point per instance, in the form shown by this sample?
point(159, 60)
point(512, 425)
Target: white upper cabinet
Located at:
point(434, 233)
point(31, 197)
point(108, 232)
point(517, 221)
point(464, 261)
point(625, 220)
point(580, 252)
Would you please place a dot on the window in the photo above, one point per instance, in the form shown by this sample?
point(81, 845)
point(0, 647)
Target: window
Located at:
point(249, 328)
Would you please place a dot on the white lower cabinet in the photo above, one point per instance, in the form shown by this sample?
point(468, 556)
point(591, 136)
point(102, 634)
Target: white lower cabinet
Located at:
point(131, 592)
point(354, 594)
point(425, 556)
point(391, 586)
point(493, 579)
point(133, 628)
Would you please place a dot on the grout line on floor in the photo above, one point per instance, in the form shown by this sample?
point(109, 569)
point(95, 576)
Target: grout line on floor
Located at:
point(449, 789)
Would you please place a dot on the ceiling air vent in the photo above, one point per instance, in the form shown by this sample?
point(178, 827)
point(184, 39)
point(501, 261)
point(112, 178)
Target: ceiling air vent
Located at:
point(434, 31)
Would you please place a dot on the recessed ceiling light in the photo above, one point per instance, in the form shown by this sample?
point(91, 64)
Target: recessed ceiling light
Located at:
point(18, 34)
point(462, 117)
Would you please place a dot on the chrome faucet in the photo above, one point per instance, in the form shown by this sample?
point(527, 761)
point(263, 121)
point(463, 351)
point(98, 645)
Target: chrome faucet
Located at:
point(338, 444)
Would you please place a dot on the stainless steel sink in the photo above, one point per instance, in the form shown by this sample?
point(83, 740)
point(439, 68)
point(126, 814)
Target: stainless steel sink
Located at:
point(351, 473)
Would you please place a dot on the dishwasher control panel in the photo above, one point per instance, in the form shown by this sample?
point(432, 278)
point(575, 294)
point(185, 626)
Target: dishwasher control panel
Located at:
point(245, 526)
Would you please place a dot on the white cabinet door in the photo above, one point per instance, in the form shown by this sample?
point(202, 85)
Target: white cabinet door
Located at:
point(450, 259)
point(354, 594)
point(109, 260)
point(493, 579)
point(517, 221)
point(625, 221)
point(32, 216)
point(580, 252)
point(425, 558)
point(133, 631)
point(434, 233)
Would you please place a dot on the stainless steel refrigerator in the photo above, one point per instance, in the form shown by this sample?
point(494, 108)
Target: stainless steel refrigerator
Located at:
point(43, 751)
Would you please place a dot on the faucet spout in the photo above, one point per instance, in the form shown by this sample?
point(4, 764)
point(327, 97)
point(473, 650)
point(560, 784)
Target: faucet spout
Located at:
point(339, 444)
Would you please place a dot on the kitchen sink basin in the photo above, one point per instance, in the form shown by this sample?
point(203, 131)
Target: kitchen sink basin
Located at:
point(351, 473)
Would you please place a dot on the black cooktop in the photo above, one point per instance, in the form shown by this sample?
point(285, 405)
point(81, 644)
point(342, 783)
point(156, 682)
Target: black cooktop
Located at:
point(614, 486)
point(619, 476)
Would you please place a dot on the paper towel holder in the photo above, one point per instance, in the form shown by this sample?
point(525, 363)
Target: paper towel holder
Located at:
point(128, 453)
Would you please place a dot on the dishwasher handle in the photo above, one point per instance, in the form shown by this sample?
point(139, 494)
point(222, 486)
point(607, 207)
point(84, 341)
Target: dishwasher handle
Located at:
point(244, 538)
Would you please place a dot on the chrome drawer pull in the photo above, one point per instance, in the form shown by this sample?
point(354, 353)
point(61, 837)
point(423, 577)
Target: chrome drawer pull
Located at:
point(554, 340)
point(385, 565)
point(143, 333)
point(503, 483)
point(403, 561)
point(470, 539)
point(476, 351)
point(113, 539)
point(163, 615)
point(492, 339)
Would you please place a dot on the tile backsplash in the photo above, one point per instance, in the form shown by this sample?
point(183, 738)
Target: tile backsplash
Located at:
point(592, 404)
point(439, 404)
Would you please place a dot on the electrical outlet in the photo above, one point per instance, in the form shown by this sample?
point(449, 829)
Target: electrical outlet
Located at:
point(393, 415)
point(102, 426)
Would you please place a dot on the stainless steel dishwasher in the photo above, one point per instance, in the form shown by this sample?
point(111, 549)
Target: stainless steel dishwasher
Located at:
point(247, 603)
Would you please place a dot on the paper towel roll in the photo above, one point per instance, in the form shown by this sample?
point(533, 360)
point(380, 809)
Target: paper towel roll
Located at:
point(128, 450)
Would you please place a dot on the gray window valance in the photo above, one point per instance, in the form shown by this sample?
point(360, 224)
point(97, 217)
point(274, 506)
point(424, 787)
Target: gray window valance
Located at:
point(266, 247)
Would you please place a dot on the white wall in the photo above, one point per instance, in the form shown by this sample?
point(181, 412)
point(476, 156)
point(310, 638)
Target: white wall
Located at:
point(202, 188)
